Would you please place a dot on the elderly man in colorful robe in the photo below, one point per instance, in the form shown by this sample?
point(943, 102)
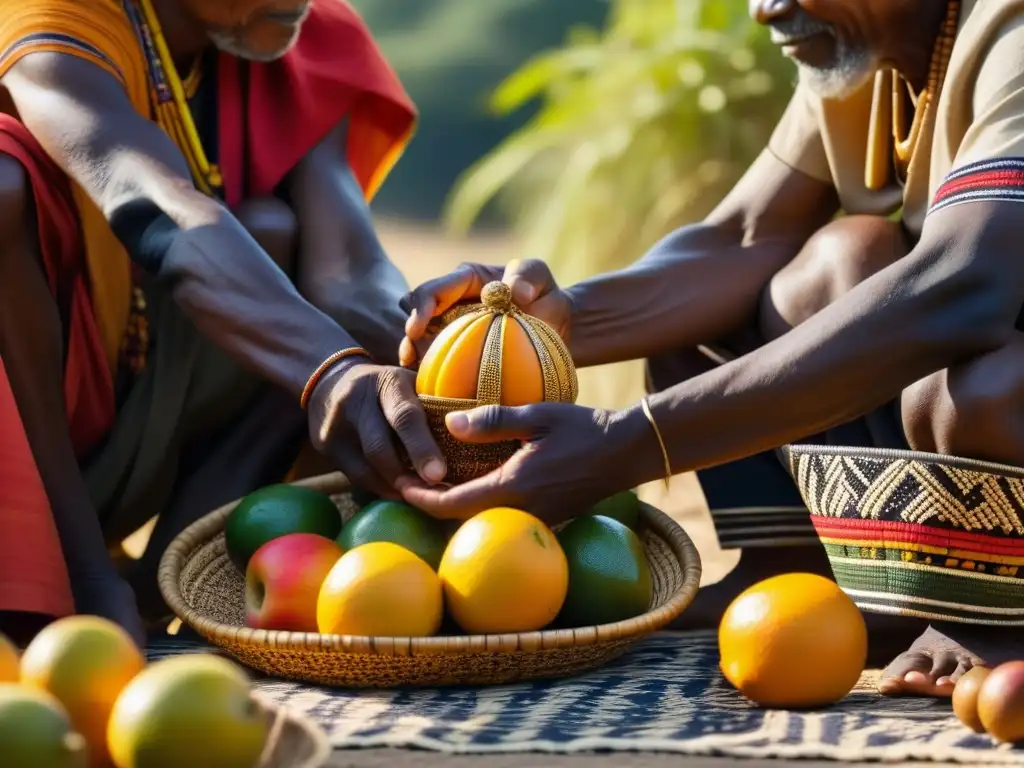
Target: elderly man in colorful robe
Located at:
point(869, 330)
point(187, 259)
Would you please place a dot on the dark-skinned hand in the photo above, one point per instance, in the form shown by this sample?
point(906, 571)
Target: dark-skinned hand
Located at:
point(367, 419)
point(534, 291)
point(571, 458)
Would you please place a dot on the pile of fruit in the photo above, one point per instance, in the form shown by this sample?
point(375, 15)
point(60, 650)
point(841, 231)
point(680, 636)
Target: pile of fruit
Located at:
point(81, 695)
point(392, 570)
point(992, 701)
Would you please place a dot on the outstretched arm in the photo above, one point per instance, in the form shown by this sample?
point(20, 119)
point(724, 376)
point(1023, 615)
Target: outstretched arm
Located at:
point(955, 296)
point(703, 282)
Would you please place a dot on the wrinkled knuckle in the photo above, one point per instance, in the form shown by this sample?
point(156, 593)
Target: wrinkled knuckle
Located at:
point(404, 418)
point(376, 445)
point(491, 417)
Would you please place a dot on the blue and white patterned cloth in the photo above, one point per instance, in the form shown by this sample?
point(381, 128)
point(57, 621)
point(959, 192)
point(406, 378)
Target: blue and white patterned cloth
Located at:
point(667, 695)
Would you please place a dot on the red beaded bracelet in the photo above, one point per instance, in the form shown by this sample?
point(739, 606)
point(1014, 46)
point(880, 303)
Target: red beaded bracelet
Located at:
point(325, 366)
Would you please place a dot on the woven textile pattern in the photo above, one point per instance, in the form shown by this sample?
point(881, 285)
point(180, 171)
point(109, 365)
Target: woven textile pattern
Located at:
point(665, 695)
point(936, 539)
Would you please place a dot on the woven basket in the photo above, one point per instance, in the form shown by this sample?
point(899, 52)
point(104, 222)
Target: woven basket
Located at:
point(918, 534)
point(294, 741)
point(206, 592)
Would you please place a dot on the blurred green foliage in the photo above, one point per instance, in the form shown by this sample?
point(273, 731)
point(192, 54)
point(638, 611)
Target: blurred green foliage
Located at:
point(642, 126)
point(450, 55)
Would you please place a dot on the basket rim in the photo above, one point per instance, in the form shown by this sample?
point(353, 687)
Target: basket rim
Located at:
point(281, 714)
point(896, 454)
point(208, 526)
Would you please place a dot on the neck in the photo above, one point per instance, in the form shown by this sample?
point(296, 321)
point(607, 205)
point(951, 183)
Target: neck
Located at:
point(917, 36)
point(185, 38)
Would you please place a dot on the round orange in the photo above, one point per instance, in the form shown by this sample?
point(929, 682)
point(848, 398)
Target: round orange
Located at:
point(504, 571)
point(84, 662)
point(793, 641)
point(380, 589)
point(9, 661)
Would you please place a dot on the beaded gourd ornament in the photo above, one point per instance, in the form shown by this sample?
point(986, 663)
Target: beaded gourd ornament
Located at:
point(490, 354)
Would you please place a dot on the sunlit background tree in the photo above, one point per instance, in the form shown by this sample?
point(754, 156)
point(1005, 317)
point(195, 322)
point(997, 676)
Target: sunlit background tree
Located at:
point(642, 127)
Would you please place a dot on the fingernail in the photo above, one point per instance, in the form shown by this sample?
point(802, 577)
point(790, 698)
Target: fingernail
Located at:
point(523, 292)
point(457, 422)
point(434, 471)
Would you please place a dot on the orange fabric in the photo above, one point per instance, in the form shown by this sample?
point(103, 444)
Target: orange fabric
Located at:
point(98, 31)
point(33, 576)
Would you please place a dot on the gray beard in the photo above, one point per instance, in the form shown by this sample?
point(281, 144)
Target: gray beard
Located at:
point(232, 47)
point(851, 70)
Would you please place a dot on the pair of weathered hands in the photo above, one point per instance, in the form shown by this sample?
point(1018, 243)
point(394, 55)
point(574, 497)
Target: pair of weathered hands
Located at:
point(362, 415)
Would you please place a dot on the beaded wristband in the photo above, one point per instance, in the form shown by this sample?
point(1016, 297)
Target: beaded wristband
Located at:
point(661, 443)
point(325, 366)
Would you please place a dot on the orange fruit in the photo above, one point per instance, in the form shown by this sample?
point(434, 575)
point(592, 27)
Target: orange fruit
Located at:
point(380, 589)
point(9, 661)
point(965, 698)
point(85, 662)
point(191, 711)
point(504, 571)
point(793, 641)
point(451, 367)
point(36, 732)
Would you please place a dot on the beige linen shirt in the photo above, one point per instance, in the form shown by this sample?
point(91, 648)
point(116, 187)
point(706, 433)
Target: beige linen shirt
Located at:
point(977, 119)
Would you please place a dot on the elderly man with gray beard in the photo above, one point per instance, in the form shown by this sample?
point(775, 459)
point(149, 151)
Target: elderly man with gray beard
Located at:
point(894, 326)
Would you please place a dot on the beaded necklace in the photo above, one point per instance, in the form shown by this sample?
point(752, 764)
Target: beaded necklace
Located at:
point(881, 155)
point(170, 95)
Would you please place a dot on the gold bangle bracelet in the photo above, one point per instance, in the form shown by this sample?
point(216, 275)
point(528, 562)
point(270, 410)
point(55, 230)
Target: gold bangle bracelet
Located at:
point(661, 443)
point(325, 366)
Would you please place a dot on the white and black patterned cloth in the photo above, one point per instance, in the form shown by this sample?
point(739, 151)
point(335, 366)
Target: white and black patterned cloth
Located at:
point(665, 696)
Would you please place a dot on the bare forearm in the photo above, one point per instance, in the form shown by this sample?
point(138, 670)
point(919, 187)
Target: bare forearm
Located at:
point(343, 268)
point(699, 284)
point(241, 301)
point(853, 356)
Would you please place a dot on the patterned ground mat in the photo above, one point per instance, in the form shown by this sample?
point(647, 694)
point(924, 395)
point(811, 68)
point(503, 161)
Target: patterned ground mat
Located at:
point(667, 695)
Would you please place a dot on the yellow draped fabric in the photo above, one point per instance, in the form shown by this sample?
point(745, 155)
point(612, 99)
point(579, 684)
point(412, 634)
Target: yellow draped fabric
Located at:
point(98, 31)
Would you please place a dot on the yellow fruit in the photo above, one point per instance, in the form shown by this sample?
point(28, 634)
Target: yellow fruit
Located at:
point(451, 368)
point(380, 589)
point(504, 571)
point(36, 732)
point(193, 711)
point(9, 661)
point(85, 662)
point(793, 641)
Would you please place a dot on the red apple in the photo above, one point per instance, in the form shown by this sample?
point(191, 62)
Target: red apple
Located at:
point(283, 579)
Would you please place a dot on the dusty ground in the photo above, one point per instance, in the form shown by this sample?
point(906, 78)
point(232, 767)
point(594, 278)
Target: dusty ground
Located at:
point(423, 253)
